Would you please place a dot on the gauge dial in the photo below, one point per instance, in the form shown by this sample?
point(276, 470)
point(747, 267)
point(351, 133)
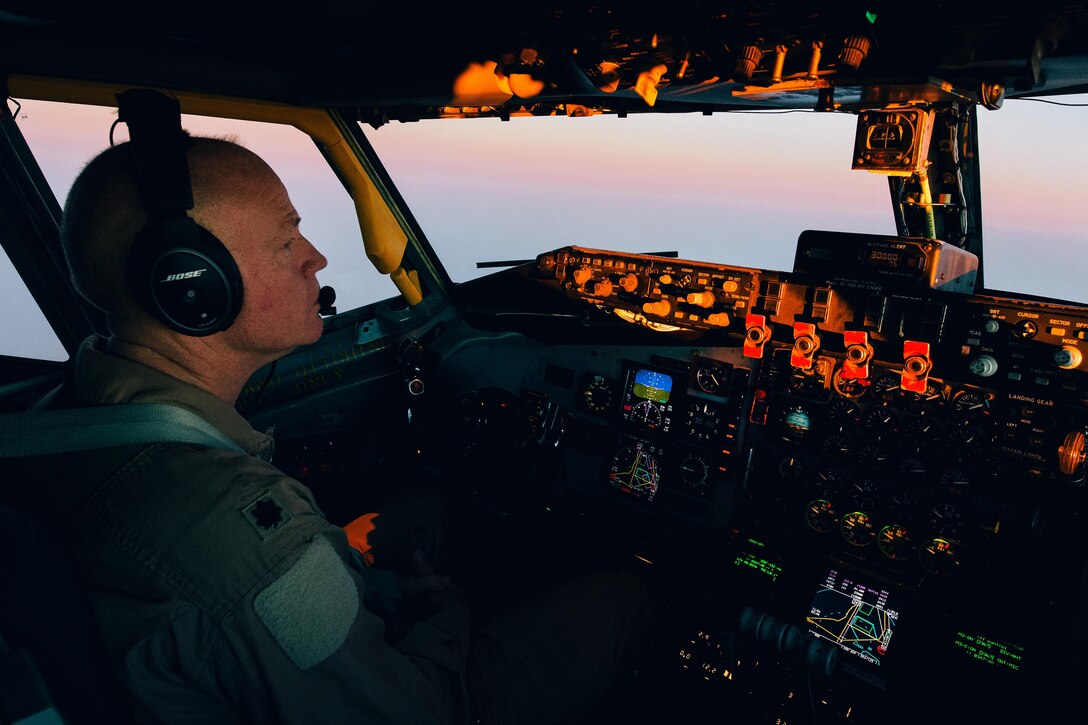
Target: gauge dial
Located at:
point(957, 479)
point(820, 516)
point(837, 444)
point(829, 480)
point(704, 421)
point(940, 556)
point(914, 468)
point(879, 419)
point(796, 424)
point(852, 388)
point(790, 468)
point(857, 528)
point(599, 394)
point(865, 490)
point(873, 454)
point(895, 542)
point(843, 412)
point(932, 396)
point(648, 413)
point(969, 406)
point(945, 519)
point(887, 385)
point(711, 376)
point(694, 472)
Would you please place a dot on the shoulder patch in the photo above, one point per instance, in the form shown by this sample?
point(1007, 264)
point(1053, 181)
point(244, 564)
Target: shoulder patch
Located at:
point(266, 515)
point(311, 607)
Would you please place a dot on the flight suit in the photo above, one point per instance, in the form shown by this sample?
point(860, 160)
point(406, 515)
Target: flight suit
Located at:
point(224, 595)
point(222, 592)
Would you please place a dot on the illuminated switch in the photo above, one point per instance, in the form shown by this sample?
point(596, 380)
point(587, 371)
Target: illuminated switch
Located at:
point(805, 344)
point(756, 335)
point(916, 366)
point(718, 319)
point(858, 354)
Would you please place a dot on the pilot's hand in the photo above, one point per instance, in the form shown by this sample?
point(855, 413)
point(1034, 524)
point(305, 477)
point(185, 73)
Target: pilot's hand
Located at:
point(425, 585)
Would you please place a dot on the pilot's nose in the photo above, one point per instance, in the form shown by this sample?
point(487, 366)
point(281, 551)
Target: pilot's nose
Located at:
point(315, 261)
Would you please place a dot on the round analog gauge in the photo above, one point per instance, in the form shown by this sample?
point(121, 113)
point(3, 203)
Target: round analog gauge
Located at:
point(914, 468)
point(932, 395)
point(843, 412)
point(879, 419)
point(837, 444)
point(887, 385)
point(647, 412)
point(895, 542)
point(921, 427)
point(940, 556)
point(796, 423)
point(704, 421)
point(904, 500)
point(820, 516)
point(852, 388)
point(873, 454)
point(829, 479)
point(945, 519)
point(865, 490)
point(599, 394)
point(957, 479)
point(963, 439)
point(968, 406)
point(857, 528)
point(711, 376)
point(790, 468)
point(693, 472)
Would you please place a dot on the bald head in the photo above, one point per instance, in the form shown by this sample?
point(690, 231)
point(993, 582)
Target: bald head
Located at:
point(104, 213)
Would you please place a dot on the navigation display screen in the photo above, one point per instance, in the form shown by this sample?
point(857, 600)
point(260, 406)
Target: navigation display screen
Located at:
point(858, 618)
point(636, 469)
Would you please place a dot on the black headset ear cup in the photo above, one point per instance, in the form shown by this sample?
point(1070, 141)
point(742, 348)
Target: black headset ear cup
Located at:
point(184, 276)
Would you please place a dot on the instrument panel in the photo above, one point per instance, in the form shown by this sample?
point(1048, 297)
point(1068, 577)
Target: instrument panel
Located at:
point(848, 477)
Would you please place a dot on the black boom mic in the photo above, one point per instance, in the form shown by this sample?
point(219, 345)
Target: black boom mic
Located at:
point(325, 299)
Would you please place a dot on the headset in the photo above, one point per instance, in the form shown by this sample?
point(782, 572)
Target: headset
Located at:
point(177, 270)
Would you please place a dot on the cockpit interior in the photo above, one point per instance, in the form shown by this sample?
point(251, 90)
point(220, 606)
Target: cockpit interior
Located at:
point(854, 486)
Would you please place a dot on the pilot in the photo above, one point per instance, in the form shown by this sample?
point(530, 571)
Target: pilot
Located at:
point(222, 592)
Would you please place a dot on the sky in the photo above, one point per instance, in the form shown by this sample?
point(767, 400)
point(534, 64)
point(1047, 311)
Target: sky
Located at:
point(732, 189)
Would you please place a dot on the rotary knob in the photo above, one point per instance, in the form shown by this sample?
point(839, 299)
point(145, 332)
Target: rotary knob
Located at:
point(1071, 453)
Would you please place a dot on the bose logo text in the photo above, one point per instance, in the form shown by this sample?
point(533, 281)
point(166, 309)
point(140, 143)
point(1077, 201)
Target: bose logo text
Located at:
point(184, 275)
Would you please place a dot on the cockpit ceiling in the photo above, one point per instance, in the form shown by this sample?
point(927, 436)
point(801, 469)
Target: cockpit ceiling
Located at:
point(402, 62)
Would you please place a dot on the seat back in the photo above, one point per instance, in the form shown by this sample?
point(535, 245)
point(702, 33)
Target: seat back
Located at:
point(45, 614)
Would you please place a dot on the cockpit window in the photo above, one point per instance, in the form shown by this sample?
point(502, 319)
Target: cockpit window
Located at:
point(63, 137)
point(30, 335)
point(729, 188)
point(1034, 169)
